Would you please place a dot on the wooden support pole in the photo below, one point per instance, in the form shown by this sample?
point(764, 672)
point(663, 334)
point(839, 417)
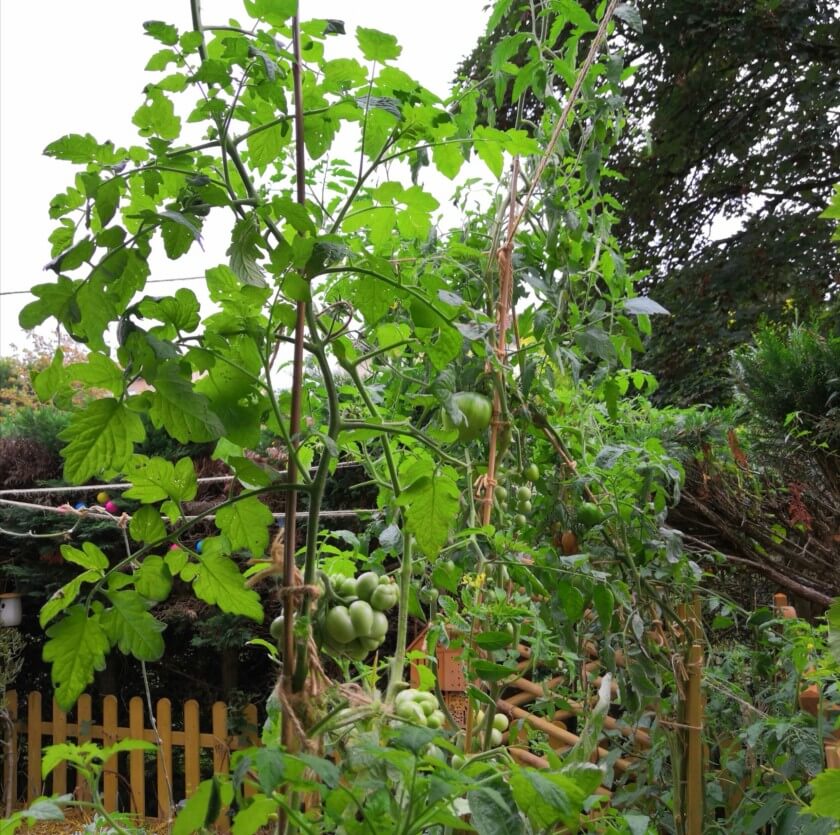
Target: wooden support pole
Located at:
point(694, 743)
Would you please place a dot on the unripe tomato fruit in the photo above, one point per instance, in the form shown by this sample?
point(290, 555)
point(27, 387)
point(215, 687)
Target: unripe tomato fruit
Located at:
point(523, 494)
point(361, 616)
point(589, 515)
point(428, 595)
point(366, 583)
point(495, 738)
point(525, 507)
point(531, 472)
point(500, 493)
point(501, 722)
point(384, 597)
point(520, 520)
point(277, 628)
point(339, 626)
point(379, 627)
point(477, 410)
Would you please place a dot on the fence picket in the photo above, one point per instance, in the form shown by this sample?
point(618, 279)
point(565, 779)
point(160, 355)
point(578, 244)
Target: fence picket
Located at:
point(61, 727)
point(110, 779)
point(59, 735)
point(136, 759)
point(12, 707)
point(84, 712)
point(33, 783)
point(164, 760)
point(192, 743)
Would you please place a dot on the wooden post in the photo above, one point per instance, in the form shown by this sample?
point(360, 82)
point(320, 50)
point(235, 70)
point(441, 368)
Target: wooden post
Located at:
point(221, 754)
point(59, 735)
point(192, 744)
point(83, 723)
point(33, 745)
point(164, 758)
point(136, 764)
point(12, 761)
point(694, 743)
point(110, 779)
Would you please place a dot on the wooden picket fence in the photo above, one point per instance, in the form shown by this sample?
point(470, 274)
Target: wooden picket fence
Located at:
point(124, 783)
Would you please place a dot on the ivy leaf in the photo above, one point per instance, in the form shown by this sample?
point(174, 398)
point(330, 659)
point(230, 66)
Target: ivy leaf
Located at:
point(218, 582)
point(130, 626)
point(246, 524)
point(185, 414)
point(377, 46)
point(101, 437)
point(245, 250)
point(76, 649)
point(431, 501)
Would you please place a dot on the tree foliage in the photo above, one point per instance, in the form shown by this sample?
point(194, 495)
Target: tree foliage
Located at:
point(730, 153)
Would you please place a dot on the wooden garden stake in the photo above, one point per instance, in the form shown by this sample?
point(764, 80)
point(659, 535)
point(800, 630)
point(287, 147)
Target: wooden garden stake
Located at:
point(694, 743)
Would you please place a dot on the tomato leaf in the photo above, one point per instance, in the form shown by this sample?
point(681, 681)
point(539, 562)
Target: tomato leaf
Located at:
point(76, 649)
point(246, 523)
point(101, 436)
point(218, 581)
point(130, 627)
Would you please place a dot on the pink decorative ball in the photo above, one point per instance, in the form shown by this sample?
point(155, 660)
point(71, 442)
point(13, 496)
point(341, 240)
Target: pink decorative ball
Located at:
point(111, 507)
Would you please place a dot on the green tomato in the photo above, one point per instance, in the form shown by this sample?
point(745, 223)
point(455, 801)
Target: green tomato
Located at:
point(339, 626)
point(531, 472)
point(500, 722)
point(384, 597)
point(457, 761)
point(495, 738)
point(589, 515)
point(520, 520)
point(354, 650)
point(348, 587)
point(477, 411)
point(410, 711)
point(361, 615)
point(277, 628)
point(525, 507)
point(523, 493)
point(428, 595)
point(369, 644)
point(379, 627)
point(500, 493)
point(365, 584)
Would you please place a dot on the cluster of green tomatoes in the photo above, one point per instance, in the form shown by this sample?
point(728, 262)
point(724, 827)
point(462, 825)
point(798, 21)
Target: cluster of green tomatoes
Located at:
point(350, 619)
point(518, 498)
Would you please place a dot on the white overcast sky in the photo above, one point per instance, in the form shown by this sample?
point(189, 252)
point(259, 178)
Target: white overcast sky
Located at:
point(76, 67)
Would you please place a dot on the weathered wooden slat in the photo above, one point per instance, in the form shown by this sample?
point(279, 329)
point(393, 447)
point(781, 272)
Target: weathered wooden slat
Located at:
point(110, 779)
point(192, 774)
point(34, 742)
point(59, 735)
point(136, 759)
point(163, 719)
